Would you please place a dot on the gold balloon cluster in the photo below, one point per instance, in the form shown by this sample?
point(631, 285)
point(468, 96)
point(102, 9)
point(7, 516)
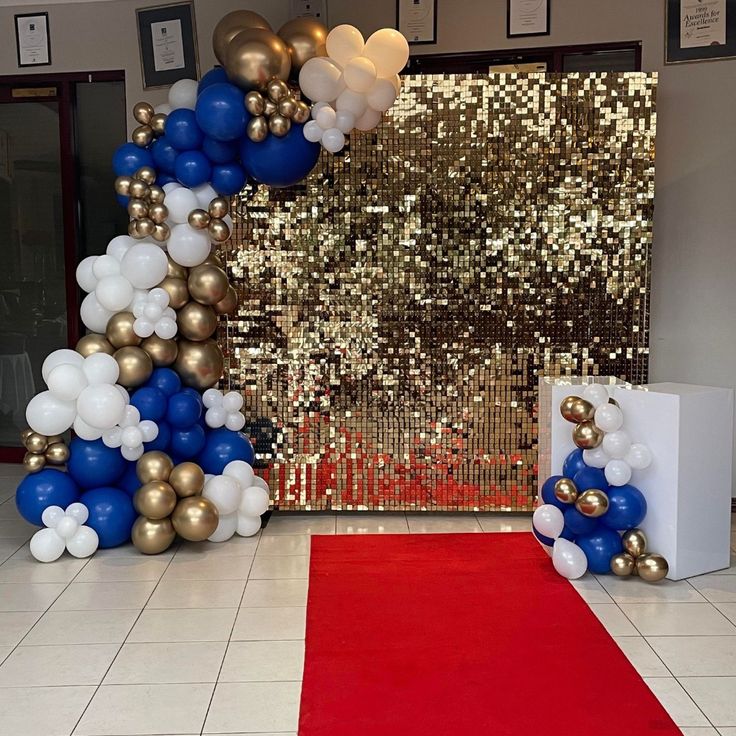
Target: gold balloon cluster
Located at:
point(151, 124)
point(43, 450)
point(580, 412)
point(635, 560)
point(212, 220)
point(170, 502)
point(145, 204)
point(592, 503)
point(274, 110)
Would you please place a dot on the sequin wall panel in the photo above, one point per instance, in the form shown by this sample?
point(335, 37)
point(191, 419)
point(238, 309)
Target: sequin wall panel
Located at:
point(397, 309)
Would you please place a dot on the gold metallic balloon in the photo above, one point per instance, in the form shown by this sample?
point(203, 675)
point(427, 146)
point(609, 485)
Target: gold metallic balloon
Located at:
point(196, 321)
point(119, 332)
point(228, 304)
point(219, 207)
point(122, 185)
point(279, 125)
point(156, 194)
point(133, 229)
point(302, 112)
point(287, 106)
point(592, 503)
point(652, 567)
point(195, 518)
point(25, 434)
point(138, 189)
point(152, 536)
point(153, 465)
point(218, 230)
point(277, 89)
point(635, 542)
point(161, 232)
point(177, 290)
point(146, 174)
point(36, 443)
point(208, 284)
point(254, 57)
point(142, 135)
point(158, 213)
point(566, 491)
point(33, 463)
point(622, 564)
point(155, 499)
point(270, 108)
point(199, 219)
point(199, 364)
point(257, 129)
point(213, 260)
point(57, 453)
point(146, 227)
point(94, 343)
point(229, 26)
point(137, 208)
point(175, 271)
point(162, 352)
point(575, 409)
point(187, 479)
point(305, 38)
point(586, 435)
point(135, 366)
point(254, 103)
point(143, 112)
point(158, 123)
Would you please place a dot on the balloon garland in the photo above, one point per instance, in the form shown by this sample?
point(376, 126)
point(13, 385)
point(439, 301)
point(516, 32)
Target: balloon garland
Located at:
point(158, 450)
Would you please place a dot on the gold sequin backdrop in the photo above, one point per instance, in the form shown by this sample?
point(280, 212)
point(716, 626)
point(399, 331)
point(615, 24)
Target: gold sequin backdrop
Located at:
point(397, 308)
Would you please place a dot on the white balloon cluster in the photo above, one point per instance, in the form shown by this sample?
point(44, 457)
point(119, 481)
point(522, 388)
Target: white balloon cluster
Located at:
point(64, 530)
point(223, 410)
point(153, 314)
point(354, 84)
point(182, 94)
point(241, 497)
point(617, 455)
point(82, 393)
point(568, 559)
point(130, 434)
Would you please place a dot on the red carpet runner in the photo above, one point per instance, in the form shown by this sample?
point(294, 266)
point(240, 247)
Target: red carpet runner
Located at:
point(460, 634)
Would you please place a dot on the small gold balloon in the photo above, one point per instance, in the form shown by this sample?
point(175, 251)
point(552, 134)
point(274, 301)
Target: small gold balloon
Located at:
point(36, 443)
point(138, 189)
point(156, 194)
point(592, 503)
point(257, 129)
point(305, 38)
point(25, 434)
point(566, 491)
point(652, 567)
point(137, 208)
point(230, 25)
point(57, 453)
point(119, 332)
point(635, 542)
point(199, 219)
point(143, 112)
point(33, 463)
point(575, 409)
point(94, 343)
point(213, 260)
point(622, 564)
point(302, 112)
point(158, 123)
point(207, 284)
point(153, 465)
point(187, 479)
point(146, 174)
point(218, 207)
point(142, 135)
point(254, 103)
point(177, 290)
point(587, 436)
point(155, 499)
point(146, 227)
point(277, 89)
point(133, 230)
point(218, 230)
point(135, 366)
point(228, 304)
point(279, 125)
point(175, 271)
point(195, 518)
point(162, 352)
point(152, 536)
point(270, 108)
point(158, 213)
point(254, 56)
point(199, 364)
point(196, 321)
point(161, 232)
point(287, 106)
point(122, 185)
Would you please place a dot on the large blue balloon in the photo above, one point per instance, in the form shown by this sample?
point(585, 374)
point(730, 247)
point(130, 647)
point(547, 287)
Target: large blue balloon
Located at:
point(577, 523)
point(92, 464)
point(599, 547)
point(128, 158)
point(548, 492)
point(184, 410)
point(111, 514)
point(188, 443)
point(280, 162)
point(573, 464)
point(162, 441)
point(227, 179)
point(192, 168)
point(224, 446)
point(627, 507)
point(164, 155)
point(221, 113)
point(165, 380)
point(182, 131)
point(38, 491)
point(588, 478)
point(220, 152)
point(129, 482)
point(216, 75)
point(150, 402)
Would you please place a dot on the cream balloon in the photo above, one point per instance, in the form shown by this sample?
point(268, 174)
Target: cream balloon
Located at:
point(353, 102)
point(344, 121)
point(387, 49)
point(368, 120)
point(381, 95)
point(333, 140)
point(321, 79)
point(325, 117)
point(344, 42)
point(360, 74)
point(312, 132)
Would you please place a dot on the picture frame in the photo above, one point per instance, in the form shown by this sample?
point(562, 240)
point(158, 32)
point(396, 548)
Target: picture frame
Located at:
point(167, 41)
point(417, 21)
point(32, 39)
point(699, 30)
point(526, 18)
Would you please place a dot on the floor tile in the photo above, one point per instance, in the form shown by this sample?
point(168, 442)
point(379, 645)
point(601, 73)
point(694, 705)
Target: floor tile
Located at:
point(697, 656)
point(128, 550)
point(14, 625)
point(274, 568)
point(290, 523)
point(272, 593)
point(4, 653)
point(263, 661)
point(187, 624)
point(728, 610)
point(287, 544)
point(122, 569)
point(269, 624)
point(699, 731)
point(258, 706)
point(68, 664)
point(505, 522)
point(75, 627)
point(16, 528)
point(388, 523)
point(727, 731)
point(590, 590)
point(22, 568)
point(219, 567)
point(636, 590)
point(28, 596)
point(8, 547)
point(433, 523)
point(714, 696)
point(205, 594)
point(611, 616)
point(716, 588)
point(676, 701)
point(42, 711)
point(104, 596)
point(9, 511)
point(642, 656)
point(678, 619)
point(146, 709)
point(234, 547)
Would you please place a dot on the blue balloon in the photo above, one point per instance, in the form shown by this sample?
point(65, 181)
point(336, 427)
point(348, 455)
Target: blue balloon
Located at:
point(165, 380)
point(548, 492)
point(37, 491)
point(578, 523)
point(162, 441)
point(228, 179)
point(223, 446)
point(627, 507)
point(221, 113)
point(184, 410)
point(220, 152)
point(111, 514)
point(92, 464)
point(150, 402)
point(546, 541)
point(216, 75)
point(164, 178)
point(188, 443)
point(129, 482)
point(599, 547)
point(122, 200)
point(573, 464)
point(164, 155)
point(128, 158)
point(280, 162)
point(588, 478)
point(568, 534)
point(192, 392)
point(181, 130)
point(192, 168)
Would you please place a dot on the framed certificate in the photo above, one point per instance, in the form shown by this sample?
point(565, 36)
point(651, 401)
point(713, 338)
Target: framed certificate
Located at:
point(699, 30)
point(417, 20)
point(527, 18)
point(32, 39)
point(167, 38)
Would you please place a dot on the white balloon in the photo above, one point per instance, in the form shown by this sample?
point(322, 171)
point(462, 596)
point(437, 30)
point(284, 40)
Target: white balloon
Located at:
point(85, 274)
point(187, 246)
point(101, 406)
point(131, 418)
point(344, 121)
point(84, 543)
point(124, 393)
point(333, 140)
point(321, 79)
point(235, 421)
point(354, 102)
point(149, 430)
point(617, 472)
point(166, 328)
point(78, 511)
point(94, 316)
point(360, 74)
point(260, 483)
point(224, 492)
point(205, 194)
point(66, 381)
point(67, 527)
point(248, 525)
point(101, 368)
point(596, 394)
point(106, 266)
point(639, 456)
point(46, 545)
point(140, 297)
point(325, 117)
point(241, 471)
point(131, 453)
point(232, 401)
point(382, 94)
point(568, 559)
point(159, 297)
point(343, 43)
point(255, 501)
point(212, 397)
point(119, 246)
point(609, 417)
point(48, 415)
point(86, 432)
point(226, 526)
point(51, 516)
point(143, 327)
point(180, 203)
point(170, 186)
point(183, 94)
point(548, 520)
point(596, 458)
point(312, 132)
point(132, 437)
point(114, 292)
point(112, 437)
point(616, 444)
point(215, 417)
point(64, 356)
point(368, 120)
point(152, 311)
point(144, 265)
point(388, 50)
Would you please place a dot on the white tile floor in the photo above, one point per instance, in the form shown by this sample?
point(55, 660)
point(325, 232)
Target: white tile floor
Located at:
point(209, 639)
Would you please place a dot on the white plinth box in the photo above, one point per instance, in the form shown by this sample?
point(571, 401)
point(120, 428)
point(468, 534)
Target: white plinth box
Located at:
point(689, 430)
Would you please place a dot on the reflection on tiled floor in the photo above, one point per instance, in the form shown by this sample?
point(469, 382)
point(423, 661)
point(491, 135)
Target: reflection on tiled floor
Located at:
point(209, 639)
